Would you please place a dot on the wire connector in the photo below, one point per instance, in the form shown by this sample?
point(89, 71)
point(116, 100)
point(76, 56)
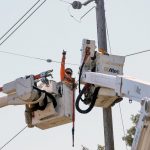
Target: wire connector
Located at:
point(48, 60)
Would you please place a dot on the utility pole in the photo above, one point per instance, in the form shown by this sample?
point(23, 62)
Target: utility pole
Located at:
point(102, 46)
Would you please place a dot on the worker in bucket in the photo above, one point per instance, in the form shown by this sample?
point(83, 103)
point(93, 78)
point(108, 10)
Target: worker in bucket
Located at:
point(65, 74)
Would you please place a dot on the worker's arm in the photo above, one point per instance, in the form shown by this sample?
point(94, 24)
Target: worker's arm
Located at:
point(62, 68)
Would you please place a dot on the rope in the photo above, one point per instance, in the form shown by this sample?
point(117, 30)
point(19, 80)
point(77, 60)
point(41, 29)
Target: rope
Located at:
point(13, 137)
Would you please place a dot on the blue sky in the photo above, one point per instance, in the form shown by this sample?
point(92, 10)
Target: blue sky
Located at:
point(45, 35)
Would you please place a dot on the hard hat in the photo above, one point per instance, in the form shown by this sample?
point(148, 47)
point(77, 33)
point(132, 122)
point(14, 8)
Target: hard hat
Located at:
point(69, 70)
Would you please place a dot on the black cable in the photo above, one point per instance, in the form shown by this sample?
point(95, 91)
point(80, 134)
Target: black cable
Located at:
point(13, 137)
point(83, 91)
point(23, 22)
point(37, 106)
point(80, 74)
point(19, 20)
point(92, 103)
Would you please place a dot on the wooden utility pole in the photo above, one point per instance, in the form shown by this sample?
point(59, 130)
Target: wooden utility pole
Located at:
point(102, 46)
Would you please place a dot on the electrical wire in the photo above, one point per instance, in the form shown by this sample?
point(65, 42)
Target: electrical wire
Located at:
point(122, 123)
point(108, 37)
point(87, 13)
point(13, 137)
point(79, 21)
point(65, 2)
point(144, 51)
point(49, 60)
point(22, 23)
point(37, 58)
point(19, 20)
point(70, 14)
point(22, 55)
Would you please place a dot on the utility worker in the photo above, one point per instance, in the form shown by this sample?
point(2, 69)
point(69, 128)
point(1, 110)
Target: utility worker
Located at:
point(65, 74)
point(66, 77)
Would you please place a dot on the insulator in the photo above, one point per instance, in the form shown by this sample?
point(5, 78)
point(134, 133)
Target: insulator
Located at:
point(49, 60)
point(77, 5)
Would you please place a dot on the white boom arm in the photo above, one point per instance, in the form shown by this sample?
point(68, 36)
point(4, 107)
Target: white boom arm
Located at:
point(48, 104)
point(106, 72)
point(124, 86)
point(133, 89)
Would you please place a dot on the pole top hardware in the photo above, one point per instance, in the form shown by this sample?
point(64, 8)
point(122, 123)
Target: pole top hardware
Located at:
point(78, 4)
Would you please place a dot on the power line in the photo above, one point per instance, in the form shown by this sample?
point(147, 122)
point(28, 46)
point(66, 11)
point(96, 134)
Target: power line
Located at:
point(37, 58)
point(49, 60)
point(22, 22)
point(136, 53)
point(13, 137)
point(18, 20)
point(22, 55)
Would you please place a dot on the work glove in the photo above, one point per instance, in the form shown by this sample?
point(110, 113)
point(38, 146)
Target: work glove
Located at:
point(64, 52)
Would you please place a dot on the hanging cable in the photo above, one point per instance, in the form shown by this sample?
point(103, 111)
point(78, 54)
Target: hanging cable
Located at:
point(19, 20)
point(13, 137)
point(79, 21)
point(71, 4)
point(144, 51)
point(122, 123)
point(31, 57)
point(86, 90)
point(22, 23)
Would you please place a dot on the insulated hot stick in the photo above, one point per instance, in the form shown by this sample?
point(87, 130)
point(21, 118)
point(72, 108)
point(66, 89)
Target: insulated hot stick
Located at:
point(43, 74)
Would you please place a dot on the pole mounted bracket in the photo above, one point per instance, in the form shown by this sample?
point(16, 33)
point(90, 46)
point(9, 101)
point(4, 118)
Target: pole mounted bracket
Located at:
point(78, 4)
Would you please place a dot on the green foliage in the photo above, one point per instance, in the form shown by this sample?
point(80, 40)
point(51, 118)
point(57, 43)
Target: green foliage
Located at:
point(131, 131)
point(100, 147)
point(135, 118)
point(84, 148)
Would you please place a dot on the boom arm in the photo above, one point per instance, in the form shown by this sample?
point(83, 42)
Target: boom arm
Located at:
point(48, 104)
point(21, 91)
point(123, 86)
point(105, 73)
